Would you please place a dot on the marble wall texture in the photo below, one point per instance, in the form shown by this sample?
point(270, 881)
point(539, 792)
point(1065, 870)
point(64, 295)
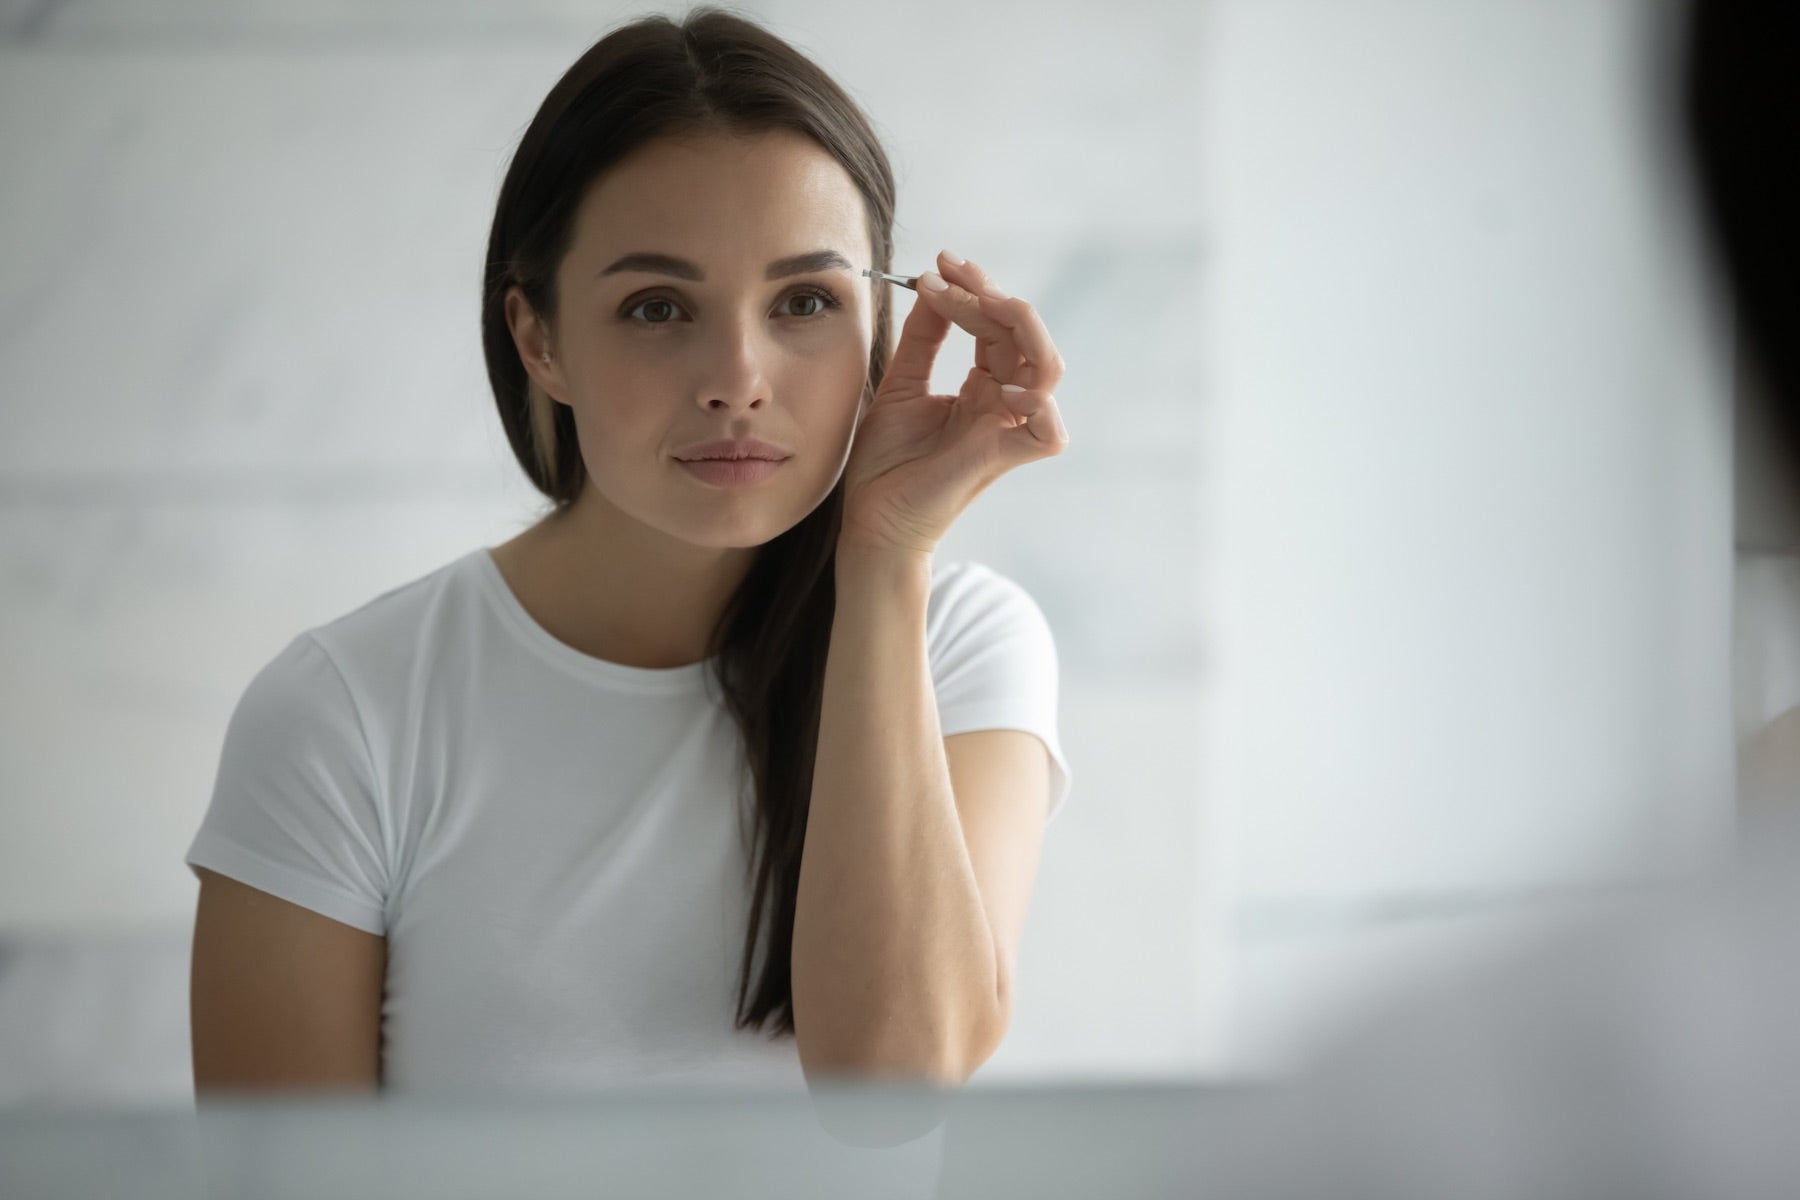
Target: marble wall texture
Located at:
point(1390, 565)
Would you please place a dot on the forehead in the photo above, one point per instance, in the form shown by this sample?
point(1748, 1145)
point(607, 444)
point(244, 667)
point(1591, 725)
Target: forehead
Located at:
point(730, 202)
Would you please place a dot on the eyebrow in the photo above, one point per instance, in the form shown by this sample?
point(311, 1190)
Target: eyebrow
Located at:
point(681, 268)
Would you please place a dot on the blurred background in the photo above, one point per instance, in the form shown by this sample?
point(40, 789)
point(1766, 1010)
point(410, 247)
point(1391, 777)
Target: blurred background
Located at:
point(1408, 594)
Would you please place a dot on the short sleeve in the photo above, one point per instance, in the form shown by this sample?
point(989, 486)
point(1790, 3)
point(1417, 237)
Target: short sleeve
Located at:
point(295, 807)
point(994, 664)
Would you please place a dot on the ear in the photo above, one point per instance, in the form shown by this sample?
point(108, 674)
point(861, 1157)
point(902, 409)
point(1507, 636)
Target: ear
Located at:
point(532, 340)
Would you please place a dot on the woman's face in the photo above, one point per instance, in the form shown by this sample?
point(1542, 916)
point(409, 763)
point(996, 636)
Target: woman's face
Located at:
point(652, 362)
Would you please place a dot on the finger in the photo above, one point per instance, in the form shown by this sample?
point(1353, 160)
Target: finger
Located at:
point(1042, 368)
point(1043, 420)
point(995, 348)
point(922, 335)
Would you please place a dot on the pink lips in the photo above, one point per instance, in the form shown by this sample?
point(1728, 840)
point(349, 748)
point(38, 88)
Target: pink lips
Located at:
point(732, 472)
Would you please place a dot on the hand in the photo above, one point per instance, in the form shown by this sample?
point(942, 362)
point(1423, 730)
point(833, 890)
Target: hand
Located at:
point(918, 460)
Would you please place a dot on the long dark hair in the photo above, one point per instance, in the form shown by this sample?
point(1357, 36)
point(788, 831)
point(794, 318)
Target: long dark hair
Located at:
point(711, 72)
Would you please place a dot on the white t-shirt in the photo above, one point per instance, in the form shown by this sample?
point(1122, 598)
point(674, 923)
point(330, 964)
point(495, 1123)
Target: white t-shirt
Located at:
point(550, 842)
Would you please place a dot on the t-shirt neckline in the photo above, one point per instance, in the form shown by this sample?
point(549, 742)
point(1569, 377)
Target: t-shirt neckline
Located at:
point(689, 677)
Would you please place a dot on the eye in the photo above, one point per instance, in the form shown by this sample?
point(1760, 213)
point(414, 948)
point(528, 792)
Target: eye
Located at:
point(827, 301)
point(662, 300)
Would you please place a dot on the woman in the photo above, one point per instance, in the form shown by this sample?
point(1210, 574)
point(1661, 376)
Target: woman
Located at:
point(479, 832)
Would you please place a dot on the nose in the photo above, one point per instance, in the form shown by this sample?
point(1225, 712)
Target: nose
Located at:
point(730, 404)
point(738, 381)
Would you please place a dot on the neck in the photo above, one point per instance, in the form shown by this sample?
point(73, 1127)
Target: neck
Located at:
point(616, 589)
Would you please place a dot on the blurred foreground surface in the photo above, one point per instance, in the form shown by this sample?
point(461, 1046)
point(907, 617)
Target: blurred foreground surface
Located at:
point(1651, 1054)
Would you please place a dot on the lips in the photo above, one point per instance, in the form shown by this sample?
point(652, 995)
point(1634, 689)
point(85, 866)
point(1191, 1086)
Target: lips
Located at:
point(732, 472)
point(732, 449)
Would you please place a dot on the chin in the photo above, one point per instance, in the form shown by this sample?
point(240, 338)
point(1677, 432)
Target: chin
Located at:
point(742, 530)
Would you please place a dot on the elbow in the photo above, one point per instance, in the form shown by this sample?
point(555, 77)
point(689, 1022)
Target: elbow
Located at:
point(943, 1071)
point(874, 1062)
point(945, 1062)
point(988, 1036)
point(996, 1018)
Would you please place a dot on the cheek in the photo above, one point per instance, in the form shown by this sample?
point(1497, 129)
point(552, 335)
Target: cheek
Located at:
point(619, 395)
point(613, 433)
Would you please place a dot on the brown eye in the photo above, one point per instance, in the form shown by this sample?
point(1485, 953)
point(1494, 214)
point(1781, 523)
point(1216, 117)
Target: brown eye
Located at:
point(826, 300)
point(647, 303)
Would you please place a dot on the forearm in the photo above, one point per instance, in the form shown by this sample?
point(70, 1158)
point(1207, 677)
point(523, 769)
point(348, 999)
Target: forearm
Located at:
point(894, 968)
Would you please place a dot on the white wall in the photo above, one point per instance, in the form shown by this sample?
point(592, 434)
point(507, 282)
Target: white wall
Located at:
point(1468, 519)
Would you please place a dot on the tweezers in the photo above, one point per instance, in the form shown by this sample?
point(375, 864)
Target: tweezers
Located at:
point(905, 281)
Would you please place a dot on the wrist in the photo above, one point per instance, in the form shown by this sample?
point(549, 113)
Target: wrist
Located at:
point(886, 564)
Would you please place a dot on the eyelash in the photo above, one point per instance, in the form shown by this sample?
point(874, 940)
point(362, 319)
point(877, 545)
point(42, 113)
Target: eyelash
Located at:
point(828, 302)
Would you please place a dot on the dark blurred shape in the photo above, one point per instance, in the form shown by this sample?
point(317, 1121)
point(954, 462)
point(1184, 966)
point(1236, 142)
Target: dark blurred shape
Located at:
point(1741, 111)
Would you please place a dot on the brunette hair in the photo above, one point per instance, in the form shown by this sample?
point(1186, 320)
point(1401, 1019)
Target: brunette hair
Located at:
point(711, 72)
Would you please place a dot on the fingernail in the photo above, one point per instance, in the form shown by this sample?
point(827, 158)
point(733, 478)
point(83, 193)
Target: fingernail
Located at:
point(1011, 387)
point(952, 259)
point(993, 289)
point(932, 280)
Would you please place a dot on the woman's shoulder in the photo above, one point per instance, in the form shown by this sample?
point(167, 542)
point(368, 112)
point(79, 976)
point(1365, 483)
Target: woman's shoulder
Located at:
point(975, 608)
point(964, 587)
point(390, 630)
